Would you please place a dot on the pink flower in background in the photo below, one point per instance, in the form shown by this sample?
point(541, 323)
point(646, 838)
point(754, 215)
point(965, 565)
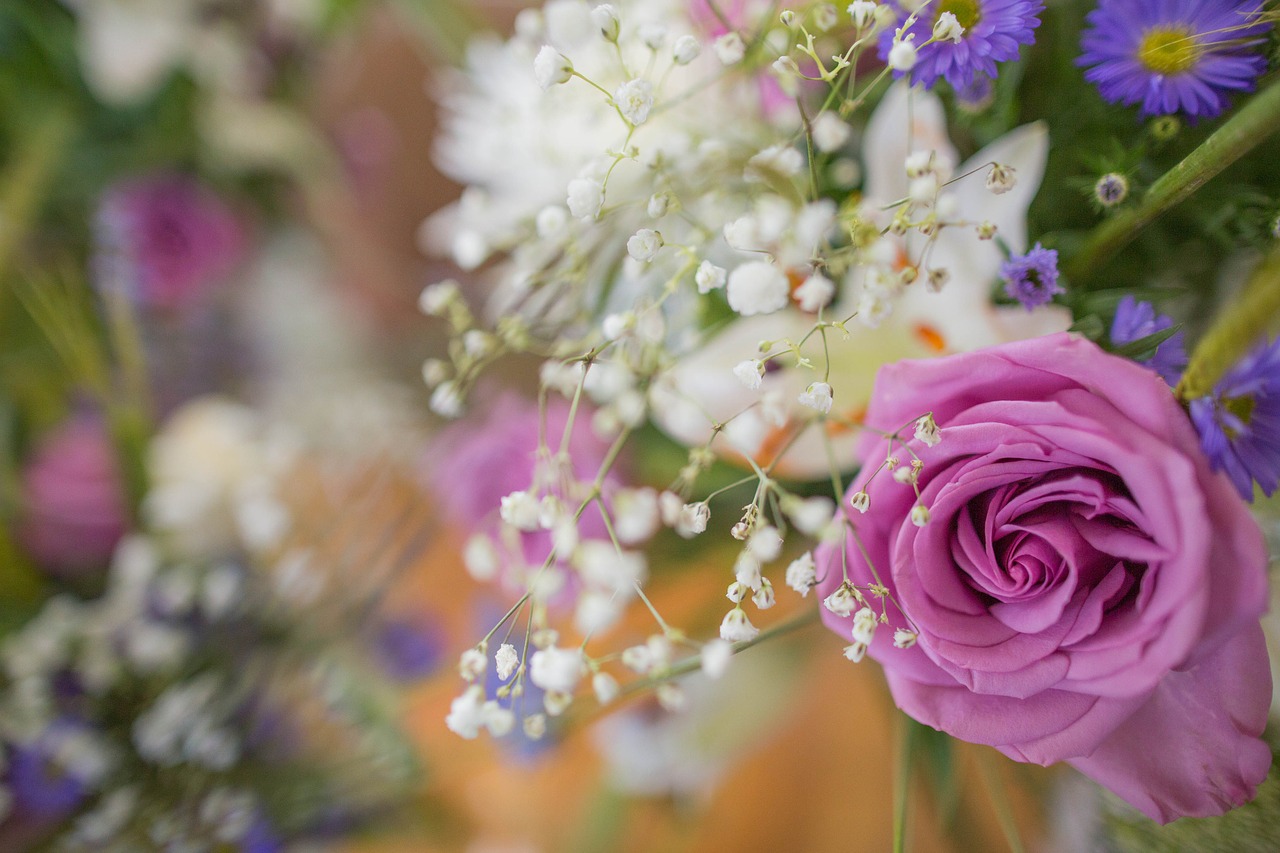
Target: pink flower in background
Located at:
point(474, 465)
point(166, 240)
point(1085, 589)
point(74, 510)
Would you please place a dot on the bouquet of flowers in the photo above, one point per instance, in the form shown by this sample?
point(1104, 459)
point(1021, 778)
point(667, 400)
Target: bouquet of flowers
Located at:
point(954, 313)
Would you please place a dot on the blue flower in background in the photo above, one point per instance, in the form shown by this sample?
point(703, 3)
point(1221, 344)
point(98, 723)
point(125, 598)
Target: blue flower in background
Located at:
point(1174, 56)
point(1135, 320)
point(1239, 423)
point(409, 649)
point(1032, 279)
point(994, 31)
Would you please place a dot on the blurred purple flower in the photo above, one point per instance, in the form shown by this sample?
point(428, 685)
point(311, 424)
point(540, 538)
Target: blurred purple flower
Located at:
point(1239, 423)
point(74, 508)
point(42, 790)
point(1032, 279)
point(165, 240)
point(1135, 320)
point(409, 648)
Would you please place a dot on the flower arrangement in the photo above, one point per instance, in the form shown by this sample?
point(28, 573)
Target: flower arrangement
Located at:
point(896, 376)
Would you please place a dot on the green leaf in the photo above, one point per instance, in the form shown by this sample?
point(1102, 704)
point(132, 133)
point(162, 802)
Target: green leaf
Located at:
point(1145, 348)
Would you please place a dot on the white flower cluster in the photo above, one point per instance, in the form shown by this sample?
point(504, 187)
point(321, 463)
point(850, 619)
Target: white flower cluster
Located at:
point(669, 218)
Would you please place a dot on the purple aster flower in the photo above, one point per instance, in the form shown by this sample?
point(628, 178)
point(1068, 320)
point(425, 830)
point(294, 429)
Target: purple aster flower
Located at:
point(1239, 423)
point(994, 31)
point(1174, 56)
point(1032, 279)
point(1136, 320)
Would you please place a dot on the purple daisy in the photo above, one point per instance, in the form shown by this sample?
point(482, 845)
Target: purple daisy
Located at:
point(1032, 279)
point(1239, 423)
point(1174, 56)
point(1135, 320)
point(994, 31)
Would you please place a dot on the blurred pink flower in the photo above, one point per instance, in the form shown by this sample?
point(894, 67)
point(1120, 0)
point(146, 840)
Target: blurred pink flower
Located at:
point(74, 510)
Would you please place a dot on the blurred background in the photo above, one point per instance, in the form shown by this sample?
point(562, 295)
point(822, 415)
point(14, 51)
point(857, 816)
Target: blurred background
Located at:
point(232, 596)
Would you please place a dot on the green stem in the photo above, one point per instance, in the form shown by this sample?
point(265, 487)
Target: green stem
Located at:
point(693, 663)
point(1248, 318)
point(902, 781)
point(1250, 125)
point(25, 181)
point(999, 800)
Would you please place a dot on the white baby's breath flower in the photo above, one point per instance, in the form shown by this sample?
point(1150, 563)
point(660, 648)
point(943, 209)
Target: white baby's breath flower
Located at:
point(764, 597)
point(864, 626)
point(709, 277)
point(777, 159)
point(472, 664)
point(815, 293)
point(498, 720)
point(919, 515)
point(765, 543)
point(818, 397)
point(693, 519)
point(737, 628)
point(904, 638)
point(903, 55)
point(843, 600)
point(811, 516)
point(605, 17)
point(730, 49)
point(634, 100)
point(480, 558)
point(644, 244)
point(746, 569)
point(605, 686)
point(555, 669)
point(1001, 179)
point(437, 298)
point(506, 661)
point(757, 287)
point(927, 430)
point(685, 50)
point(947, 27)
point(446, 400)
point(863, 13)
point(802, 574)
point(750, 373)
point(466, 714)
point(551, 67)
point(659, 204)
point(830, 132)
point(585, 198)
point(521, 510)
point(715, 658)
point(860, 500)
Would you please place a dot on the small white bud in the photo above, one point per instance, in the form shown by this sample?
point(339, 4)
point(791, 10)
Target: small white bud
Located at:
point(919, 515)
point(730, 49)
point(802, 574)
point(750, 373)
point(817, 396)
point(860, 500)
point(903, 55)
point(764, 597)
point(709, 277)
point(843, 600)
point(685, 50)
point(863, 13)
point(927, 430)
point(472, 664)
point(605, 17)
point(436, 299)
point(551, 67)
point(605, 687)
point(644, 244)
point(947, 27)
point(830, 132)
point(716, 655)
point(904, 638)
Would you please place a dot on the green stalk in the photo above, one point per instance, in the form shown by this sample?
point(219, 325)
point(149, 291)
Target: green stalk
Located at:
point(902, 780)
point(26, 178)
point(1242, 324)
point(1258, 119)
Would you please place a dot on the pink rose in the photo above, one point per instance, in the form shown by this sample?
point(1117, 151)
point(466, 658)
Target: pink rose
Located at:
point(1085, 590)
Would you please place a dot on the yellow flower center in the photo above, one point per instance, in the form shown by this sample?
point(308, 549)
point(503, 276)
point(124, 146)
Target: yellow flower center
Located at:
point(1168, 49)
point(967, 12)
point(1242, 408)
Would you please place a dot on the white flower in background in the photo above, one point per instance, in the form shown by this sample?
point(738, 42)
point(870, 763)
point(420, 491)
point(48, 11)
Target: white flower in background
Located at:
point(466, 713)
point(750, 373)
point(730, 49)
point(556, 670)
point(710, 277)
point(757, 287)
point(685, 50)
point(802, 574)
point(129, 47)
point(585, 197)
point(715, 657)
